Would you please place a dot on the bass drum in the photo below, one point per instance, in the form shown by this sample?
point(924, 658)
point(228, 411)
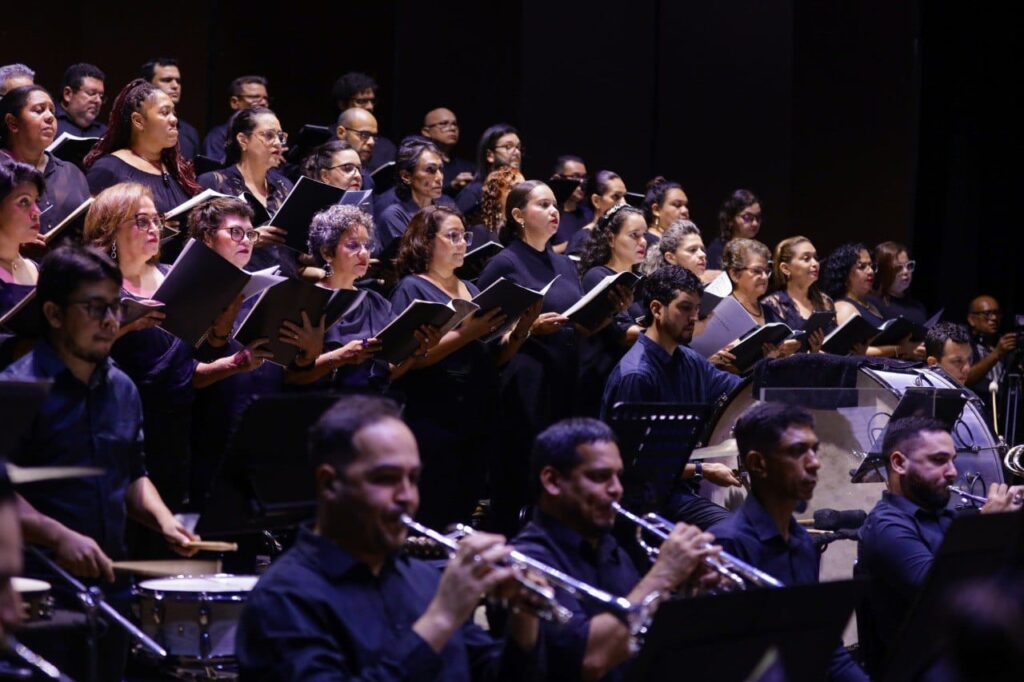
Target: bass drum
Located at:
point(858, 428)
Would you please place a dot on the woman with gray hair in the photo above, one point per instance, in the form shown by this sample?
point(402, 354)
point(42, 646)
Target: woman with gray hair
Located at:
point(419, 181)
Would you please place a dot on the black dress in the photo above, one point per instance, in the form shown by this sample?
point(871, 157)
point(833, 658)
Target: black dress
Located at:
point(600, 352)
point(538, 386)
point(372, 376)
point(714, 253)
point(109, 170)
point(905, 306)
point(451, 407)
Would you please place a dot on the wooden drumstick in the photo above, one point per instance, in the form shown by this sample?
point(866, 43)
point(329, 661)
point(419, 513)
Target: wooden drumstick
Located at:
point(212, 546)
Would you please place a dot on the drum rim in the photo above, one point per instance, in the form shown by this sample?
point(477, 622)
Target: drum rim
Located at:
point(235, 595)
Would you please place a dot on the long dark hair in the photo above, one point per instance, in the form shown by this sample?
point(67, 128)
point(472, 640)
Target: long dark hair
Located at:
point(656, 191)
point(119, 135)
point(597, 250)
point(732, 207)
point(486, 144)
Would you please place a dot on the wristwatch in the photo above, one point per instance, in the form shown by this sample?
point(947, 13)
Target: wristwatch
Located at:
point(698, 472)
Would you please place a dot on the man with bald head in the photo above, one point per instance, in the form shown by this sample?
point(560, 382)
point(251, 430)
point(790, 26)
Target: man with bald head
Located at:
point(441, 126)
point(358, 127)
point(989, 349)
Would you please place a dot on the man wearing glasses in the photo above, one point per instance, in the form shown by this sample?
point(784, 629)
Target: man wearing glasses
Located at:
point(245, 92)
point(441, 126)
point(82, 97)
point(989, 350)
point(358, 127)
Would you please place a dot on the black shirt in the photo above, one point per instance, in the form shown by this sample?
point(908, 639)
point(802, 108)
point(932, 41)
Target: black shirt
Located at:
point(66, 125)
point(396, 217)
point(188, 140)
point(109, 170)
point(66, 189)
point(452, 167)
point(571, 223)
point(213, 144)
point(905, 306)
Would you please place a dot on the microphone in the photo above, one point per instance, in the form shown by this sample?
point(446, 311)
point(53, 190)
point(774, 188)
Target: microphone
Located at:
point(831, 519)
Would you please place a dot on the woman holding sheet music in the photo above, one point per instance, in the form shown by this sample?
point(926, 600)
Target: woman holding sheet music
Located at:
point(452, 394)
point(27, 127)
point(795, 275)
point(141, 146)
point(849, 276)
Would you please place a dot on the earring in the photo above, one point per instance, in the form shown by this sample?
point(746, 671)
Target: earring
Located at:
point(328, 270)
point(113, 251)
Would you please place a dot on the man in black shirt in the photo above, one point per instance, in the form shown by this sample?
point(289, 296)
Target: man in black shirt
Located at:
point(948, 346)
point(82, 98)
point(576, 465)
point(441, 126)
point(343, 603)
point(163, 72)
point(245, 92)
point(356, 90)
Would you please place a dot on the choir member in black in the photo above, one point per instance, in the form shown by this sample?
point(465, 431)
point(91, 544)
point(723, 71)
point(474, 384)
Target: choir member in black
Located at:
point(358, 127)
point(253, 150)
point(849, 276)
point(335, 163)
point(616, 245)
point(499, 146)
point(27, 127)
point(356, 90)
point(680, 244)
point(795, 275)
point(92, 417)
point(660, 368)
point(164, 73)
point(14, 76)
point(895, 271)
point(739, 216)
point(664, 204)
point(10, 556)
point(780, 450)
point(141, 146)
point(442, 127)
point(420, 174)
point(21, 186)
point(538, 386)
point(575, 211)
point(345, 604)
point(243, 93)
point(82, 97)
point(948, 345)
point(452, 394)
point(492, 204)
point(748, 263)
point(607, 190)
point(124, 222)
point(990, 349)
point(904, 530)
point(576, 468)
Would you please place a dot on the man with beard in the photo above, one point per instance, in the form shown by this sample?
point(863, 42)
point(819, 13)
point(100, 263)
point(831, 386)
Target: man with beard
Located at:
point(660, 368)
point(82, 97)
point(778, 445)
point(902, 533)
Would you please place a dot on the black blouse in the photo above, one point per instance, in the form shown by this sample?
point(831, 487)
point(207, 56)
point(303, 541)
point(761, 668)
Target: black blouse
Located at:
point(365, 322)
point(109, 170)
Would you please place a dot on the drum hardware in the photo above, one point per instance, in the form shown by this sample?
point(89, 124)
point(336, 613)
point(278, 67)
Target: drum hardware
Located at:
point(31, 658)
point(1012, 460)
point(36, 598)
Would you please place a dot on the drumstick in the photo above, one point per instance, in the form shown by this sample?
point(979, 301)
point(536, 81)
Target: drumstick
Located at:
point(165, 567)
point(212, 546)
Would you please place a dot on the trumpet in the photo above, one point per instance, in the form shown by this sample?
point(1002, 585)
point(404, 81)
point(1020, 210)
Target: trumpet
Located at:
point(977, 499)
point(737, 573)
point(1012, 460)
point(636, 616)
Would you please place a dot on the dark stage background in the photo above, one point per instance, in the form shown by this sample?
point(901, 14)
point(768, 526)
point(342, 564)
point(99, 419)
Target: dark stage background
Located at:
point(869, 120)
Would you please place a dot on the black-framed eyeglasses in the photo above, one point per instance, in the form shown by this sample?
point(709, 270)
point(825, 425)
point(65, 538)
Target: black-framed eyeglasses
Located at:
point(269, 136)
point(348, 168)
point(987, 313)
point(364, 135)
point(237, 234)
point(98, 309)
point(748, 218)
point(144, 222)
point(256, 99)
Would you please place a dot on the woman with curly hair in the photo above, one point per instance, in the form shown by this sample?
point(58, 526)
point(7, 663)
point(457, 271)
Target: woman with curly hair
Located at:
point(141, 146)
point(452, 394)
point(664, 204)
point(739, 217)
point(492, 203)
point(795, 279)
point(849, 276)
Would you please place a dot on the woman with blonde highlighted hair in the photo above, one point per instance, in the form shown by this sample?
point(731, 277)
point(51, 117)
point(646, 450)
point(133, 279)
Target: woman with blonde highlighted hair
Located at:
point(795, 274)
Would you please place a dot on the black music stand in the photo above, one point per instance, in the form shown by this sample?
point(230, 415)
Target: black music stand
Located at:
point(656, 440)
point(725, 637)
point(266, 479)
point(944, 404)
point(976, 546)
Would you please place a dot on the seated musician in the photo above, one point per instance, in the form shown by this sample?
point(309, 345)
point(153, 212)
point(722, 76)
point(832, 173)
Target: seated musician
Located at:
point(92, 417)
point(904, 530)
point(948, 346)
point(778, 445)
point(344, 604)
point(576, 464)
point(661, 368)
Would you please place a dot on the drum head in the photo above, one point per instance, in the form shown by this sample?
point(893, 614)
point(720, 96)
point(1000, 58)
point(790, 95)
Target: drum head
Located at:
point(29, 585)
point(221, 582)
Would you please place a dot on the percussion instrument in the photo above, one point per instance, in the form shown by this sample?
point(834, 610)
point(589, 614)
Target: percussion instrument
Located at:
point(36, 598)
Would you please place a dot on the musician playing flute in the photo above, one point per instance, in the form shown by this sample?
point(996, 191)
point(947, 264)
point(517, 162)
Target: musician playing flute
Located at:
point(779, 448)
point(576, 466)
point(344, 604)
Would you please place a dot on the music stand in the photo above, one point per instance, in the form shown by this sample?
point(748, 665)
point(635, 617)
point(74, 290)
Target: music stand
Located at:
point(266, 479)
point(725, 637)
point(944, 404)
point(975, 546)
point(656, 440)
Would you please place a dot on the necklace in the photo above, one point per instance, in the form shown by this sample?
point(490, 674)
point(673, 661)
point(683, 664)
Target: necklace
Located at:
point(759, 314)
point(159, 167)
point(12, 264)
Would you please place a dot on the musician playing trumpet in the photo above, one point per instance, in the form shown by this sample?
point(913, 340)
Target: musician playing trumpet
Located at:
point(779, 448)
point(576, 464)
point(344, 604)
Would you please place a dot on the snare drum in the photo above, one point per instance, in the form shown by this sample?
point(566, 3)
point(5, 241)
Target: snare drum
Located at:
point(193, 617)
point(36, 599)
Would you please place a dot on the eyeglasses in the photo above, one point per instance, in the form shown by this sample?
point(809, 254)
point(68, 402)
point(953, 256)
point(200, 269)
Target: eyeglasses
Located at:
point(364, 135)
point(865, 265)
point(145, 223)
point(509, 146)
point(458, 237)
point(98, 309)
point(443, 124)
point(94, 94)
point(348, 168)
point(908, 266)
point(269, 136)
point(987, 313)
point(237, 233)
point(757, 272)
point(748, 218)
point(355, 246)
